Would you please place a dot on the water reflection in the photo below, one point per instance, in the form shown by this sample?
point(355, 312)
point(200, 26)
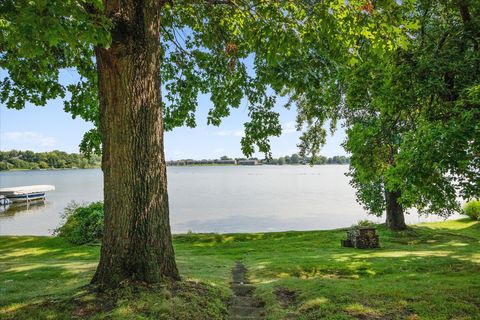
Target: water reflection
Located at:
point(12, 209)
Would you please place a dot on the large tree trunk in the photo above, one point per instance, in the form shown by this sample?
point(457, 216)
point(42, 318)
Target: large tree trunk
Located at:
point(137, 243)
point(395, 216)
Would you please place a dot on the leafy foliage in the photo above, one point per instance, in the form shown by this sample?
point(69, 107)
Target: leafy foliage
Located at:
point(38, 40)
point(439, 79)
point(472, 209)
point(235, 51)
point(411, 113)
point(365, 223)
point(83, 224)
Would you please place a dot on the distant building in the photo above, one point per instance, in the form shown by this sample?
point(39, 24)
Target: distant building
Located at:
point(250, 162)
point(229, 161)
point(191, 162)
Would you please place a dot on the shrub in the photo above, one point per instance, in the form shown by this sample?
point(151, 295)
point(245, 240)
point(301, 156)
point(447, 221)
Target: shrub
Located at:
point(4, 165)
point(472, 209)
point(364, 223)
point(82, 223)
point(43, 165)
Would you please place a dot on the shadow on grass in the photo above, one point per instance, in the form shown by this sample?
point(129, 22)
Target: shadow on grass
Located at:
point(26, 282)
point(418, 250)
point(30, 248)
point(178, 300)
point(428, 270)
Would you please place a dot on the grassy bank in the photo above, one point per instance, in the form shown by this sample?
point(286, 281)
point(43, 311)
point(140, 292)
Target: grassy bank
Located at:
point(429, 272)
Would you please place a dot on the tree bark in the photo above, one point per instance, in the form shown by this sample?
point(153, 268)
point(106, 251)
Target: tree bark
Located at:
point(395, 216)
point(137, 242)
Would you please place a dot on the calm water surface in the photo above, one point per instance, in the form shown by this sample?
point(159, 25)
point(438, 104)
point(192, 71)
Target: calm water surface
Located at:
point(209, 199)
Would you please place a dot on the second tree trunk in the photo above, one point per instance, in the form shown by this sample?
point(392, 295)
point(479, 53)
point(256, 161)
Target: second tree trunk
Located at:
point(395, 216)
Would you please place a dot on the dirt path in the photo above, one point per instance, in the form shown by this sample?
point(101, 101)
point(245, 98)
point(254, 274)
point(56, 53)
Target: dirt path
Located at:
point(243, 305)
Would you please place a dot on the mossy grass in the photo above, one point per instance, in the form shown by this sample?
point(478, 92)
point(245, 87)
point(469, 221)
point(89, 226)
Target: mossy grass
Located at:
point(430, 271)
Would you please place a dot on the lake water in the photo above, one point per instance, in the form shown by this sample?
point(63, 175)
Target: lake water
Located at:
point(209, 199)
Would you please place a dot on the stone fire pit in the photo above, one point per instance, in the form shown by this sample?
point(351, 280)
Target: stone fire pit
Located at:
point(361, 238)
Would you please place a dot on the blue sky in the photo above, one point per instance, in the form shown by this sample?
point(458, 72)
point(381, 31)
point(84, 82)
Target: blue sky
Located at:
point(49, 127)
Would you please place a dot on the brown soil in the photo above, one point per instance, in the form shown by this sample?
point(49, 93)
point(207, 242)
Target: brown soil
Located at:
point(286, 297)
point(243, 304)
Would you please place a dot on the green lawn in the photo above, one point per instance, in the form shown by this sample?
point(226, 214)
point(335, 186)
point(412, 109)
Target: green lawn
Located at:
point(430, 272)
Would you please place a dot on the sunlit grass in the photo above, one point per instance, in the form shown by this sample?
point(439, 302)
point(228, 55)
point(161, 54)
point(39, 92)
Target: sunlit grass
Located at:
point(428, 272)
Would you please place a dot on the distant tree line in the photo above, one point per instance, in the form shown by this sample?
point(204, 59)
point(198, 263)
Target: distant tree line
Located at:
point(296, 159)
point(288, 159)
point(28, 160)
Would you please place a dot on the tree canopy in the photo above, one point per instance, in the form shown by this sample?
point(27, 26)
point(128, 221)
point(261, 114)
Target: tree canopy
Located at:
point(420, 130)
point(228, 49)
point(411, 113)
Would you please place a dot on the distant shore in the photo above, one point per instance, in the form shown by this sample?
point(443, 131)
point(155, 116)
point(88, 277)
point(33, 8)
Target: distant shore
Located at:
point(187, 165)
point(47, 169)
point(15, 160)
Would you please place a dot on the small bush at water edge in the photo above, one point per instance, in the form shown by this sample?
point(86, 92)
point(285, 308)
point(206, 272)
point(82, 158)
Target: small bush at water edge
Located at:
point(472, 209)
point(82, 223)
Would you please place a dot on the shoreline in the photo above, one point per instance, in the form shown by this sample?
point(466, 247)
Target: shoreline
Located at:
point(338, 229)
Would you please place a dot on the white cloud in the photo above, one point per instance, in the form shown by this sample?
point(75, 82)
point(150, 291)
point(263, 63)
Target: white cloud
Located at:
point(231, 133)
point(289, 127)
point(26, 140)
